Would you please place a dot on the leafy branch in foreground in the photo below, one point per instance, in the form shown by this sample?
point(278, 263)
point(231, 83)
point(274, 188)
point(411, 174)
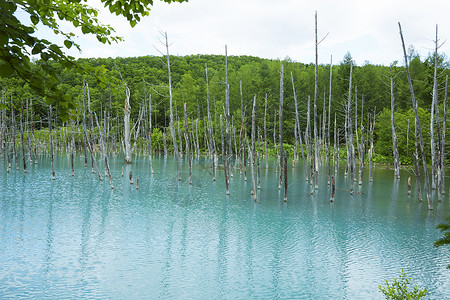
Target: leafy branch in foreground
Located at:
point(446, 238)
point(18, 41)
point(398, 289)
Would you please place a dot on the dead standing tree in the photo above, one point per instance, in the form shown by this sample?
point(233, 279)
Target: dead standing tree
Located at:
point(299, 133)
point(127, 128)
point(316, 139)
point(171, 121)
point(417, 124)
point(281, 125)
point(394, 135)
point(351, 148)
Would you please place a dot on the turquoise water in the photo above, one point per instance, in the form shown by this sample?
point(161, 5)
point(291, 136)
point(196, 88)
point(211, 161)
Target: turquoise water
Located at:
point(76, 238)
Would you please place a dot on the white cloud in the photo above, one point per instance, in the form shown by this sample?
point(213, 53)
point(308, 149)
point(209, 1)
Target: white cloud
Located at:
point(276, 29)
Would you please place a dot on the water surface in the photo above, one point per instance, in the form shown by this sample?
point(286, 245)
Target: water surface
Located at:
point(74, 237)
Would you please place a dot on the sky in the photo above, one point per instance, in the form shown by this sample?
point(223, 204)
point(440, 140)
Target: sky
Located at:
point(279, 29)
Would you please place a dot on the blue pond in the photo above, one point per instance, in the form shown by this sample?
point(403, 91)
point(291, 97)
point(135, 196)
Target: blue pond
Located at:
point(74, 237)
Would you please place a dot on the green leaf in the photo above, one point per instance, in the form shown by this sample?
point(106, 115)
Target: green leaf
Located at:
point(68, 44)
point(3, 38)
point(3, 106)
point(34, 19)
point(133, 23)
point(45, 56)
point(37, 49)
point(85, 29)
point(6, 69)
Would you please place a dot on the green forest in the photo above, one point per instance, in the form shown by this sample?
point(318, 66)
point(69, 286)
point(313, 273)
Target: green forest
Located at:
point(247, 77)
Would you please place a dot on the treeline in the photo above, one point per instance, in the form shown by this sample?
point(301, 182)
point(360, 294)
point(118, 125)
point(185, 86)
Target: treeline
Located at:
point(247, 77)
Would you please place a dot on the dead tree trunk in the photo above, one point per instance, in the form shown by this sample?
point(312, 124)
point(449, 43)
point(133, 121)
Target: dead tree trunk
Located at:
point(316, 87)
point(265, 133)
point(417, 122)
point(417, 167)
point(150, 146)
point(333, 188)
point(444, 128)
point(103, 145)
point(172, 124)
point(165, 143)
point(281, 124)
point(210, 130)
point(72, 147)
point(188, 147)
point(394, 135)
point(13, 115)
point(229, 150)
point(329, 122)
point(350, 133)
point(435, 104)
point(253, 130)
point(242, 127)
point(225, 168)
point(299, 133)
point(24, 157)
point(127, 128)
point(51, 141)
point(372, 127)
point(253, 192)
point(285, 177)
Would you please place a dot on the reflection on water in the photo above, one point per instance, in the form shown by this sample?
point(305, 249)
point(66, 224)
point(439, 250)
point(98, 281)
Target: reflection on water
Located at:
point(76, 238)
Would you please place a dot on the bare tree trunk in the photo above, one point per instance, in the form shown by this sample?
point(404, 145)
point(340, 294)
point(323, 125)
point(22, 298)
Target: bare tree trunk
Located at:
point(329, 122)
point(416, 167)
point(172, 124)
point(253, 131)
point(225, 168)
point(210, 129)
point(51, 141)
point(438, 157)
point(409, 185)
point(394, 135)
point(258, 158)
point(297, 121)
point(150, 146)
point(127, 127)
point(285, 177)
point(419, 129)
point(333, 188)
point(229, 151)
point(335, 148)
point(281, 124)
point(432, 134)
point(308, 130)
point(72, 147)
point(13, 115)
point(265, 132)
point(188, 147)
point(165, 142)
point(242, 128)
point(24, 157)
point(253, 192)
point(350, 134)
point(103, 145)
point(372, 127)
point(30, 151)
point(85, 141)
point(444, 128)
point(316, 86)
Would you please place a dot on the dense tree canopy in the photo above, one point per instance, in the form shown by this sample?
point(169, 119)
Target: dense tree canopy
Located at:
point(260, 77)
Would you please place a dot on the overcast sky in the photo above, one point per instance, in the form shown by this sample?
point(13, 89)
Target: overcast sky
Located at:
point(277, 29)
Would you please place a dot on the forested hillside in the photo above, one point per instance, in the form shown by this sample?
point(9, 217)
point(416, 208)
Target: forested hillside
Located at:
point(247, 76)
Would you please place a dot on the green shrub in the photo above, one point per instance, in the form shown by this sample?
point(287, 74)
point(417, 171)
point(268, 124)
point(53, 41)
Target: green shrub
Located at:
point(398, 289)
